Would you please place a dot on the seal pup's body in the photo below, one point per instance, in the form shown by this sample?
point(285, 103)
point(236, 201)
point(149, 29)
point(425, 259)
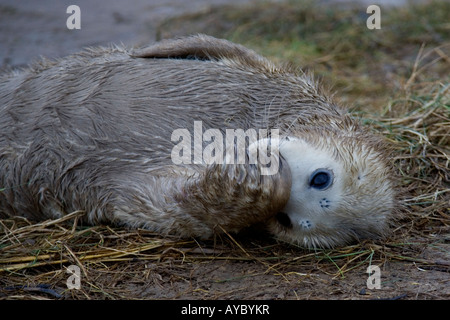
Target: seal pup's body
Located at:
point(93, 132)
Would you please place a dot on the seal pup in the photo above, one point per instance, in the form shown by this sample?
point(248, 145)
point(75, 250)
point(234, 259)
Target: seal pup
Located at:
point(93, 132)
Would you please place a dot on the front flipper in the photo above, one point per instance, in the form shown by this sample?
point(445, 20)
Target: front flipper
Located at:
point(196, 201)
point(236, 196)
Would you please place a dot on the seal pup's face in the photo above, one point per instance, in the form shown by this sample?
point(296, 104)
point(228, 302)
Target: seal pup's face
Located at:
point(341, 191)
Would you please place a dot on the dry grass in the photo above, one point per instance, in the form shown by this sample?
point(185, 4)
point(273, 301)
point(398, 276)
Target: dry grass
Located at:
point(413, 113)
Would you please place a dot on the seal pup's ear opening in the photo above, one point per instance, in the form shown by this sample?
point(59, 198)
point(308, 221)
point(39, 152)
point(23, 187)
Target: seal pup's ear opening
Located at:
point(200, 47)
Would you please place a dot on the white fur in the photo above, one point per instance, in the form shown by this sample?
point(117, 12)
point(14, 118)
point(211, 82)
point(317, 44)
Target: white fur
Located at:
point(307, 206)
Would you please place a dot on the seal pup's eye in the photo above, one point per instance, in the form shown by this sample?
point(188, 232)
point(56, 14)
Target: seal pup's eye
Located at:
point(321, 179)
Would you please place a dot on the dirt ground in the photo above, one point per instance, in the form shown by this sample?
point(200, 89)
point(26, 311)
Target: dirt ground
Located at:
point(29, 29)
point(230, 279)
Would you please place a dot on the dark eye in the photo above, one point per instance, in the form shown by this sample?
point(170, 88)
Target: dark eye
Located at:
point(321, 179)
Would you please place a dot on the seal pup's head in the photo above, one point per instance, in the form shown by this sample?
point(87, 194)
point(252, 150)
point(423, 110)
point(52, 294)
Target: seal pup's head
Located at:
point(342, 189)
